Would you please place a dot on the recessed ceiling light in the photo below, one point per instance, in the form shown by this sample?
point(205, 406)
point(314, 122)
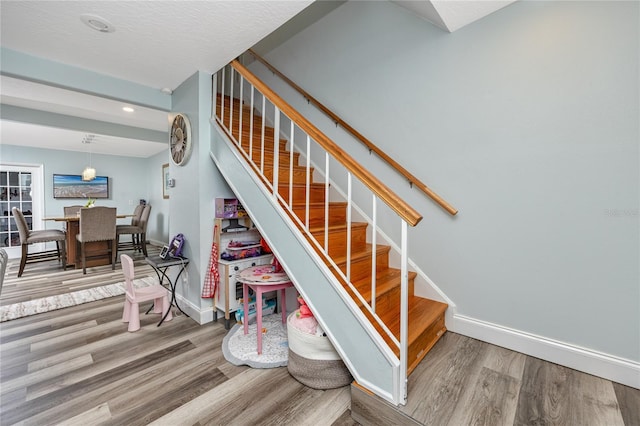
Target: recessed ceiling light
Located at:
point(128, 109)
point(97, 23)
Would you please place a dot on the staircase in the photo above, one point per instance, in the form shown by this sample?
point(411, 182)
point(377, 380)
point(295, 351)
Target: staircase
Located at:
point(426, 317)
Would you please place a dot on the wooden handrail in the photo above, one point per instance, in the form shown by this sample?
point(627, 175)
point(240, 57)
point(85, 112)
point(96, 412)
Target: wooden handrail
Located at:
point(370, 145)
point(397, 204)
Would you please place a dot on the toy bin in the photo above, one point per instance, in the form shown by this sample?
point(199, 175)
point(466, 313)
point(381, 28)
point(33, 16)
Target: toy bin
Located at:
point(313, 361)
point(229, 208)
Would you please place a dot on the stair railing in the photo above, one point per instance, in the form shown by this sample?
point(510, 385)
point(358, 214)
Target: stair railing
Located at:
point(235, 88)
point(412, 179)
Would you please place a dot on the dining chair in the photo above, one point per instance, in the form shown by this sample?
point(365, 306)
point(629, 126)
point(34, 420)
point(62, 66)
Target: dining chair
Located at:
point(138, 232)
point(134, 296)
point(130, 229)
point(4, 258)
point(137, 213)
point(28, 237)
point(97, 224)
point(70, 211)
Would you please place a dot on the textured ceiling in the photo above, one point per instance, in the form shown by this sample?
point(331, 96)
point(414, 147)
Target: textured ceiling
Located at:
point(155, 43)
point(158, 44)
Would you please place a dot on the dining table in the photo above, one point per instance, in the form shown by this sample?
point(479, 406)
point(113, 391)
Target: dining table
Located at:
point(72, 228)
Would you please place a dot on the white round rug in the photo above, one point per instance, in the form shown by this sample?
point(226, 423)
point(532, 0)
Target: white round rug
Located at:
point(241, 349)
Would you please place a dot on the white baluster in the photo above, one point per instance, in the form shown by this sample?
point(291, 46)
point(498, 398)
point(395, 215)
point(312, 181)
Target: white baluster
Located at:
point(251, 126)
point(231, 73)
point(326, 202)
point(308, 183)
point(264, 114)
point(222, 93)
point(276, 150)
point(349, 226)
point(214, 86)
point(374, 258)
point(291, 149)
point(240, 110)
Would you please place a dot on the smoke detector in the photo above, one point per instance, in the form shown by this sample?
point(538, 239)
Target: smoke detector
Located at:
point(97, 23)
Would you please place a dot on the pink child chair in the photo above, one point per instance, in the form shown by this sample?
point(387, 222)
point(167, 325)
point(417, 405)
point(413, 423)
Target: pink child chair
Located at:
point(133, 296)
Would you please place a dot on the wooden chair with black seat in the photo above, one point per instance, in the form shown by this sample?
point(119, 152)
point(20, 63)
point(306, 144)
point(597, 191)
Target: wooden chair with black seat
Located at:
point(28, 237)
point(138, 232)
point(97, 224)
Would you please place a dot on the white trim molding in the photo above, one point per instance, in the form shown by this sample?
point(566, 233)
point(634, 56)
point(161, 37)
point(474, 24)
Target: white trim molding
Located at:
point(624, 371)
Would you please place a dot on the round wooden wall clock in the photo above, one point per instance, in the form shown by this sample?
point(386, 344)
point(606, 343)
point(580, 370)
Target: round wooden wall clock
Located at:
point(180, 140)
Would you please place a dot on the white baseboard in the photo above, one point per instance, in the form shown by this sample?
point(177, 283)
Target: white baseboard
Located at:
point(600, 364)
point(195, 313)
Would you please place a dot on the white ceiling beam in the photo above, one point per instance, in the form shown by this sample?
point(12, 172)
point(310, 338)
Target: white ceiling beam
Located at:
point(31, 68)
point(61, 121)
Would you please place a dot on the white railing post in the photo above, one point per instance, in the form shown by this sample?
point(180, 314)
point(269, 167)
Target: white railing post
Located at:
point(404, 312)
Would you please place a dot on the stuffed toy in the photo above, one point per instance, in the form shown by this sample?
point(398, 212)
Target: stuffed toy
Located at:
point(304, 319)
point(304, 311)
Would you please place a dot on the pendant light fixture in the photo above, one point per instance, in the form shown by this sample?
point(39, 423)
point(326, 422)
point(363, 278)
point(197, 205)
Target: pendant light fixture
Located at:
point(89, 173)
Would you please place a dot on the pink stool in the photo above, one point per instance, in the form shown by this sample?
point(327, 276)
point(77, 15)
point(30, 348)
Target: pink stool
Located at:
point(261, 279)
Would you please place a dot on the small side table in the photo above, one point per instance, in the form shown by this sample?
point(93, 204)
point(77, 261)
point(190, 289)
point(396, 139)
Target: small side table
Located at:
point(161, 265)
point(262, 279)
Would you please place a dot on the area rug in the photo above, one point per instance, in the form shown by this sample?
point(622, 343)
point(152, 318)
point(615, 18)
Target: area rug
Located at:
point(51, 303)
point(241, 349)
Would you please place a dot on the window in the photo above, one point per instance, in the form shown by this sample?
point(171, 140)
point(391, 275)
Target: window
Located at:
point(18, 185)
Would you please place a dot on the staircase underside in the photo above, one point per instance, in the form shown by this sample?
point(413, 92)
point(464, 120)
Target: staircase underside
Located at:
point(426, 317)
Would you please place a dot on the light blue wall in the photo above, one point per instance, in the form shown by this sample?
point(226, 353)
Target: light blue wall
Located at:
point(198, 183)
point(128, 177)
point(158, 226)
point(527, 121)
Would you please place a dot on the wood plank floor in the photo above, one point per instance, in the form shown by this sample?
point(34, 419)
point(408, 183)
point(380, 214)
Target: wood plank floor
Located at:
point(79, 365)
point(464, 381)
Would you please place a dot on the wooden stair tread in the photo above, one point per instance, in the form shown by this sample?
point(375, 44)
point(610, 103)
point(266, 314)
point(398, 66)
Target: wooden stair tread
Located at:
point(338, 227)
point(361, 254)
point(422, 312)
point(302, 185)
point(318, 204)
point(386, 280)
